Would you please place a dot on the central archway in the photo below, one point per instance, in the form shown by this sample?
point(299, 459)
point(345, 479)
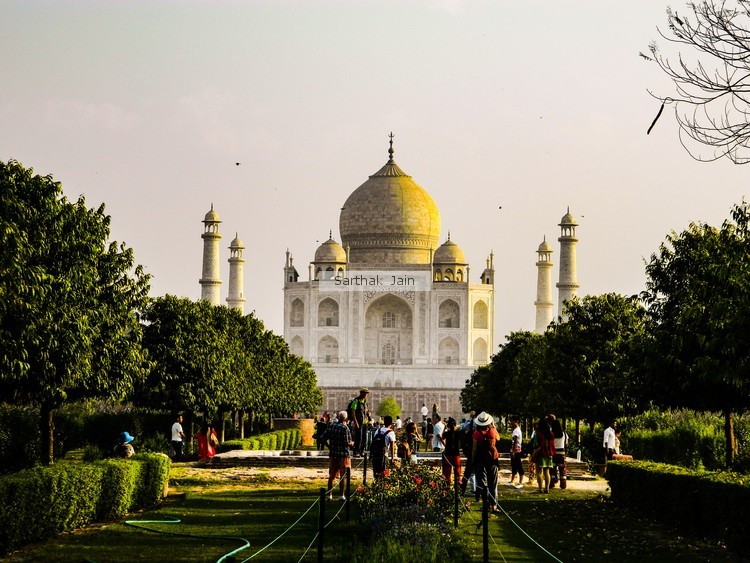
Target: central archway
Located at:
point(388, 331)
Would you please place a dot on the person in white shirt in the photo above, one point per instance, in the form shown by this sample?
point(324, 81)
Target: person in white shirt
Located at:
point(177, 437)
point(516, 463)
point(424, 412)
point(437, 432)
point(398, 423)
point(609, 440)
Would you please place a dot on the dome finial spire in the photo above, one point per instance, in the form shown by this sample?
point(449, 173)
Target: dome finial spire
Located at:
point(449, 234)
point(390, 148)
point(330, 234)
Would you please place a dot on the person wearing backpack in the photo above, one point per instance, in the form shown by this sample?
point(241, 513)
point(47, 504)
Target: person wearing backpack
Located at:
point(382, 447)
point(467, 445)
point(451, 439)
point(356, 411)
point(484, 454)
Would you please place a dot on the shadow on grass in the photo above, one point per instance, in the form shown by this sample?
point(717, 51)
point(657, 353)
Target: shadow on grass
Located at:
point(259, 516)
point(580, 527)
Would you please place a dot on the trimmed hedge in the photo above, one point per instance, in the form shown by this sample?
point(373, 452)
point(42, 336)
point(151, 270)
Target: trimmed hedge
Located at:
point(44, 501)
point(278, 440)
point(705, 503)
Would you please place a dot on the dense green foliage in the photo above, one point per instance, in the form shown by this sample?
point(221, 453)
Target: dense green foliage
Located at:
point(584, 367)
point(45, 501)
point(278, 440)
point(698, 294)
point(68, 299)
point(389, 407)
point(706, 503)
point(209, 359)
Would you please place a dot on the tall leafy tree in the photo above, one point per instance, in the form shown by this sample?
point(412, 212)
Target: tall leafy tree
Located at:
point(698, 293)
point(68, 300)
point(593, 368)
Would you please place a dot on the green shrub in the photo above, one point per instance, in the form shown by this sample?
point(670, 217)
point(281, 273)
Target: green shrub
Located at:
point(20, 442)
point(713, 504)
point(278, 440)
point(44, 501)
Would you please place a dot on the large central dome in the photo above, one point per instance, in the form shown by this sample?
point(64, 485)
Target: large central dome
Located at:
point(389, 220)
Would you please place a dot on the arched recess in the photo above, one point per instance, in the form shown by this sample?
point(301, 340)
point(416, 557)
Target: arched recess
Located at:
point(297, 313)
point(449, 314)
point(328, 350)
point(448, 351)
point(480, 314)
point(480, 352)
point(297, 347)
point(459, 275)
point(448, 275)
point(329, 273)
point(438, 276)
point(317, 273)
point(388, 331)
point(328, 312)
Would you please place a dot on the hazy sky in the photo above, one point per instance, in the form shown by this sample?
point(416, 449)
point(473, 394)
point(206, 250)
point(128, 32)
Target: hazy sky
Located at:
point(532, 106)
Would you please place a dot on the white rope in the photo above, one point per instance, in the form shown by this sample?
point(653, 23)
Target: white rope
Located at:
point(261, 550)
point(540, 546)
point(315, 537)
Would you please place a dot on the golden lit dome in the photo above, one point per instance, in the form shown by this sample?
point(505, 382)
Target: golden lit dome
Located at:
point(545, 247)
point(449, 253)
point(568, 220)
point(330, 251)
point(211, 216)
point(390, 219)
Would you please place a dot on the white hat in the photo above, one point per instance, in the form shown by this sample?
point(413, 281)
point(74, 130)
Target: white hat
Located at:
point(483, 419)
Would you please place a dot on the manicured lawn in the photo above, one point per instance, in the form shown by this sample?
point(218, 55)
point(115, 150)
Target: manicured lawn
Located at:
point(575, 525)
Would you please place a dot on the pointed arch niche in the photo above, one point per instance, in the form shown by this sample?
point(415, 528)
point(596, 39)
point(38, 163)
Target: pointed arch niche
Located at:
point(449, 314)
point(328, 312)
point(480, 314)
point(480, 352)
point(328, 350)
point(388, 331)
point(448, 351)
point(297, 313)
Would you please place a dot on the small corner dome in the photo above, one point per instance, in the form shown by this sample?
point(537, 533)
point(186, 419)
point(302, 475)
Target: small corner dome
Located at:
point(545, 247)
point(568, 219)
point(449, 253)
point(236, 243)
point(212, 217)
point(330, 251)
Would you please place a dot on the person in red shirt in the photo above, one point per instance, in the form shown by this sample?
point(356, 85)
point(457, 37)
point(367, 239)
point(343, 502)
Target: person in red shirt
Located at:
point(484, 455)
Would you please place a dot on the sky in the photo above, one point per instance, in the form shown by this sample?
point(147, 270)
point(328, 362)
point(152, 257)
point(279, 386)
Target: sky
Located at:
point(505, 112)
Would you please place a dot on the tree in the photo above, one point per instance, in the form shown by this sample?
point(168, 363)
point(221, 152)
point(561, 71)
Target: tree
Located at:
point(68, 300)
point(698, 295)
point(712, 84)
point(593, 367)
point(389, 407)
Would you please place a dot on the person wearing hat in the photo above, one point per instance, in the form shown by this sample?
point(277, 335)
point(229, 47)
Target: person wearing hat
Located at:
point(484, 454)
point(356, 411)
point(124, 447)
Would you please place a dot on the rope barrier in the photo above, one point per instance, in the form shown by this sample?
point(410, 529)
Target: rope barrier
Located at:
point(282, 533)
point(315, 537)
point(172, 520)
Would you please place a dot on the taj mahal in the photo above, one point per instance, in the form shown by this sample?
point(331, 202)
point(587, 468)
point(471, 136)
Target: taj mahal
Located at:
point(390, 307)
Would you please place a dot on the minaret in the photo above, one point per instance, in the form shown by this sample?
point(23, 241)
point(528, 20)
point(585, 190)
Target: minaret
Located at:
point(568, 285)
point(543, 303)
point(236, 297)
point(210, 280)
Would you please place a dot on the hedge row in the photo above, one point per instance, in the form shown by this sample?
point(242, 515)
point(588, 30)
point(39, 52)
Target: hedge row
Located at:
point(44, 501)
point(278, 440)
point(711, 504)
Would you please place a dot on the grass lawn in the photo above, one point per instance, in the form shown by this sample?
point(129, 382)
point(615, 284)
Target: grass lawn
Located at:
point(574, 525)
point(579, 526)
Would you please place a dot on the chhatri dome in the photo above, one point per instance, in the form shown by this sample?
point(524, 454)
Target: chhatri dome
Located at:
point(449, 253)
point(390, 219)
point(330, 251)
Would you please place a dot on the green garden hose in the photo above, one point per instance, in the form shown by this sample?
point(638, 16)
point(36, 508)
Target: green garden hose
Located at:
point(170, 520)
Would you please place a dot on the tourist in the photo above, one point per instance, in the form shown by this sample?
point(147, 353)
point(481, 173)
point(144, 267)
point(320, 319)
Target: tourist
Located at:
point(339, 439)
point(124, 447)
point(516, 463)
point(451, 439)
point(424, 412)
point(412, 440)
point(542, 456)
point(357, 411)
point(207, 442)
point(484, 454)
point(177, 438)
point(608, 443)
point(320, 429)
point(382, 448)
point(437, 433)
point(428, 429)
point(559, 465)
point(398, 423)
point(467, 445)
point(434, 410)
